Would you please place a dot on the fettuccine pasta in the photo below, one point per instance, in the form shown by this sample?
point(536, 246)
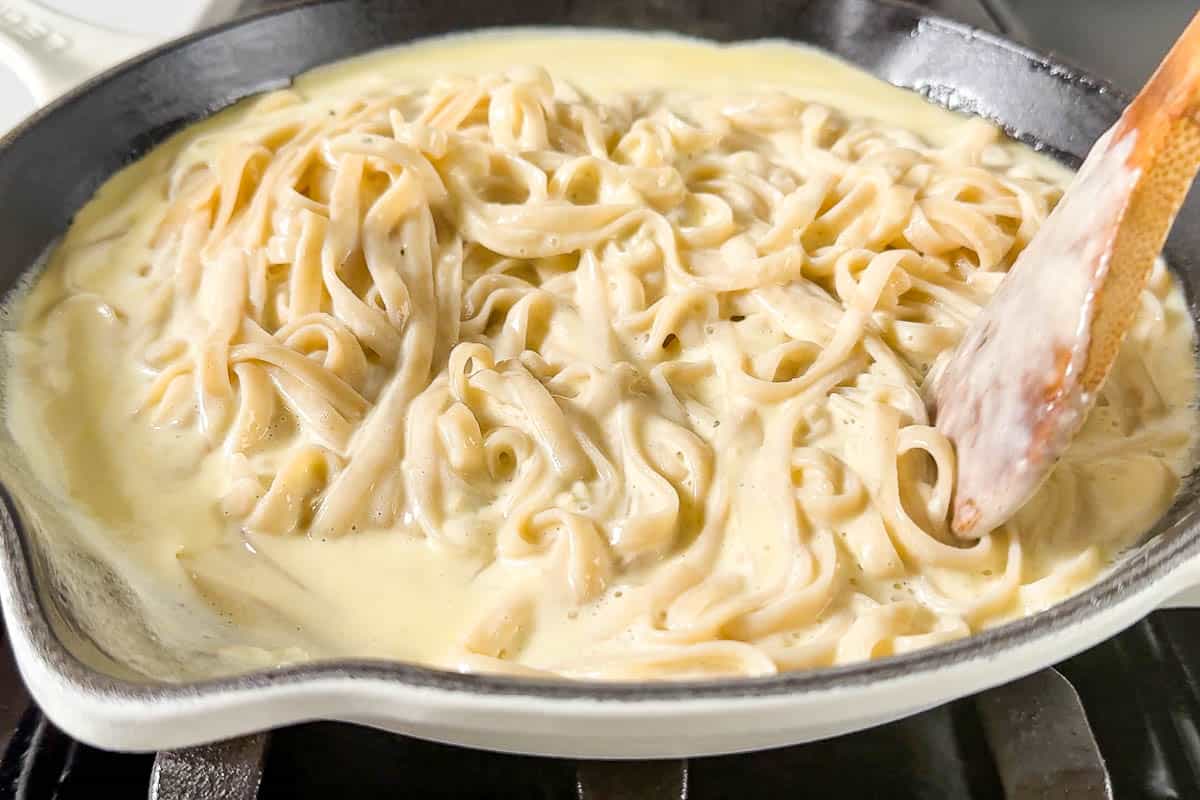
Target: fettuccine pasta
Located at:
point(620, 384)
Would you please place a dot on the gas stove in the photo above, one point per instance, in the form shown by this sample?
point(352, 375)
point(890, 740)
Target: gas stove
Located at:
point(1120, 720)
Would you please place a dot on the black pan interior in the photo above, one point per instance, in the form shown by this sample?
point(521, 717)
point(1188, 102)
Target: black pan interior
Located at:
point(51, 165)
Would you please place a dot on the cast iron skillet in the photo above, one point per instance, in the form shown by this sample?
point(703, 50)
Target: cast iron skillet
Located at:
point(51, 165)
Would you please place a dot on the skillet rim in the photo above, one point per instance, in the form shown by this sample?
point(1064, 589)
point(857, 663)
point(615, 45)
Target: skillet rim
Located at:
point(1165, 553)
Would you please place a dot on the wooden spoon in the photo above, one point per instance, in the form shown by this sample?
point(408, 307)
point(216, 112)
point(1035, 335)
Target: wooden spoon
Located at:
point(1020, 383)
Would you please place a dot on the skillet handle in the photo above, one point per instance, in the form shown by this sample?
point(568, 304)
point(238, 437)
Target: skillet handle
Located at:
point(51, 52)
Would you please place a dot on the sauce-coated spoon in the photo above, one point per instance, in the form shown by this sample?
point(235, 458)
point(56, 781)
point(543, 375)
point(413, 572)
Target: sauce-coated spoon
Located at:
point(1020, 383)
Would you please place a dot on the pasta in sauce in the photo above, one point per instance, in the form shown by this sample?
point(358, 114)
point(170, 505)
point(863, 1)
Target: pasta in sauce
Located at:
point(501, 371)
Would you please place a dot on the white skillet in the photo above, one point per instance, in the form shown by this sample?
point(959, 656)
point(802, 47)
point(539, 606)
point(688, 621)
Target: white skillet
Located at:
point(51, 52)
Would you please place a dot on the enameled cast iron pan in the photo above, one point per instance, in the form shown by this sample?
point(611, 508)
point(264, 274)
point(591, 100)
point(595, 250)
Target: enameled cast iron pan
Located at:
point(51, 165)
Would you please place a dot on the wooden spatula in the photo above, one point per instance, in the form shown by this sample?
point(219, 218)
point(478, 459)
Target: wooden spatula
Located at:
point(1021, 381)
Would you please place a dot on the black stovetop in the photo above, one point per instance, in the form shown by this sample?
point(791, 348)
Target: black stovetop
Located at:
point(1120, 720)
